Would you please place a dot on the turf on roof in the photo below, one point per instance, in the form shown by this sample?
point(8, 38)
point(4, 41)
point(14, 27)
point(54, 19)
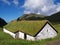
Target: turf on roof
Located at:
point(29, 27)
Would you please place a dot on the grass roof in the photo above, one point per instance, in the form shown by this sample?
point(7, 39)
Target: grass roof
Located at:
point(29, 27)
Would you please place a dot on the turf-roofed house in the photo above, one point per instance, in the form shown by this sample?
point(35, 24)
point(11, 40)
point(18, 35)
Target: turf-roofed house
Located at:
point(31, 30)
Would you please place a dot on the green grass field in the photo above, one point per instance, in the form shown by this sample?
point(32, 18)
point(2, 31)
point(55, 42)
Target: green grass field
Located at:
point(57, 26)
point(6, 39)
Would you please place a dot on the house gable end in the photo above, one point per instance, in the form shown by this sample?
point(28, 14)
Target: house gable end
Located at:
point(46, 32)
point(43, 27)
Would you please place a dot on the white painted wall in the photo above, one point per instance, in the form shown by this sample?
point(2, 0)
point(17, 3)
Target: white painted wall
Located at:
point(21, 35)
point(30, 38)
point(6, 31)
point(46, 32)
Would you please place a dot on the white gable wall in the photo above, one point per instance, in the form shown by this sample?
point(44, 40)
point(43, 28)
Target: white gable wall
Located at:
point(30, 38)
point(6, 31)
point(21, 35)
point(46, 32)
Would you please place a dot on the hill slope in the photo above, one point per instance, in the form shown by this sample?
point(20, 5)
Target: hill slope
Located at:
point(2, 22)
point(31, 17)
point(55, 17)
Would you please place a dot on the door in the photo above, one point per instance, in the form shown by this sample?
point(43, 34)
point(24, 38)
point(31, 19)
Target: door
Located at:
point(17, 35)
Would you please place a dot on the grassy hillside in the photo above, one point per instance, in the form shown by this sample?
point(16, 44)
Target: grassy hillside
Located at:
point(57, 26)
point(5, 39)
point(31, 17)
point(2, 23)
point(53, 18)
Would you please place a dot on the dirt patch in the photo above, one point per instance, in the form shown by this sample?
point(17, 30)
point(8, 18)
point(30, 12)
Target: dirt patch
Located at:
point(54, 43)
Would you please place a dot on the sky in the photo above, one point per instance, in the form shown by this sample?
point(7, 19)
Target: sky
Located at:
point(12, 9)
